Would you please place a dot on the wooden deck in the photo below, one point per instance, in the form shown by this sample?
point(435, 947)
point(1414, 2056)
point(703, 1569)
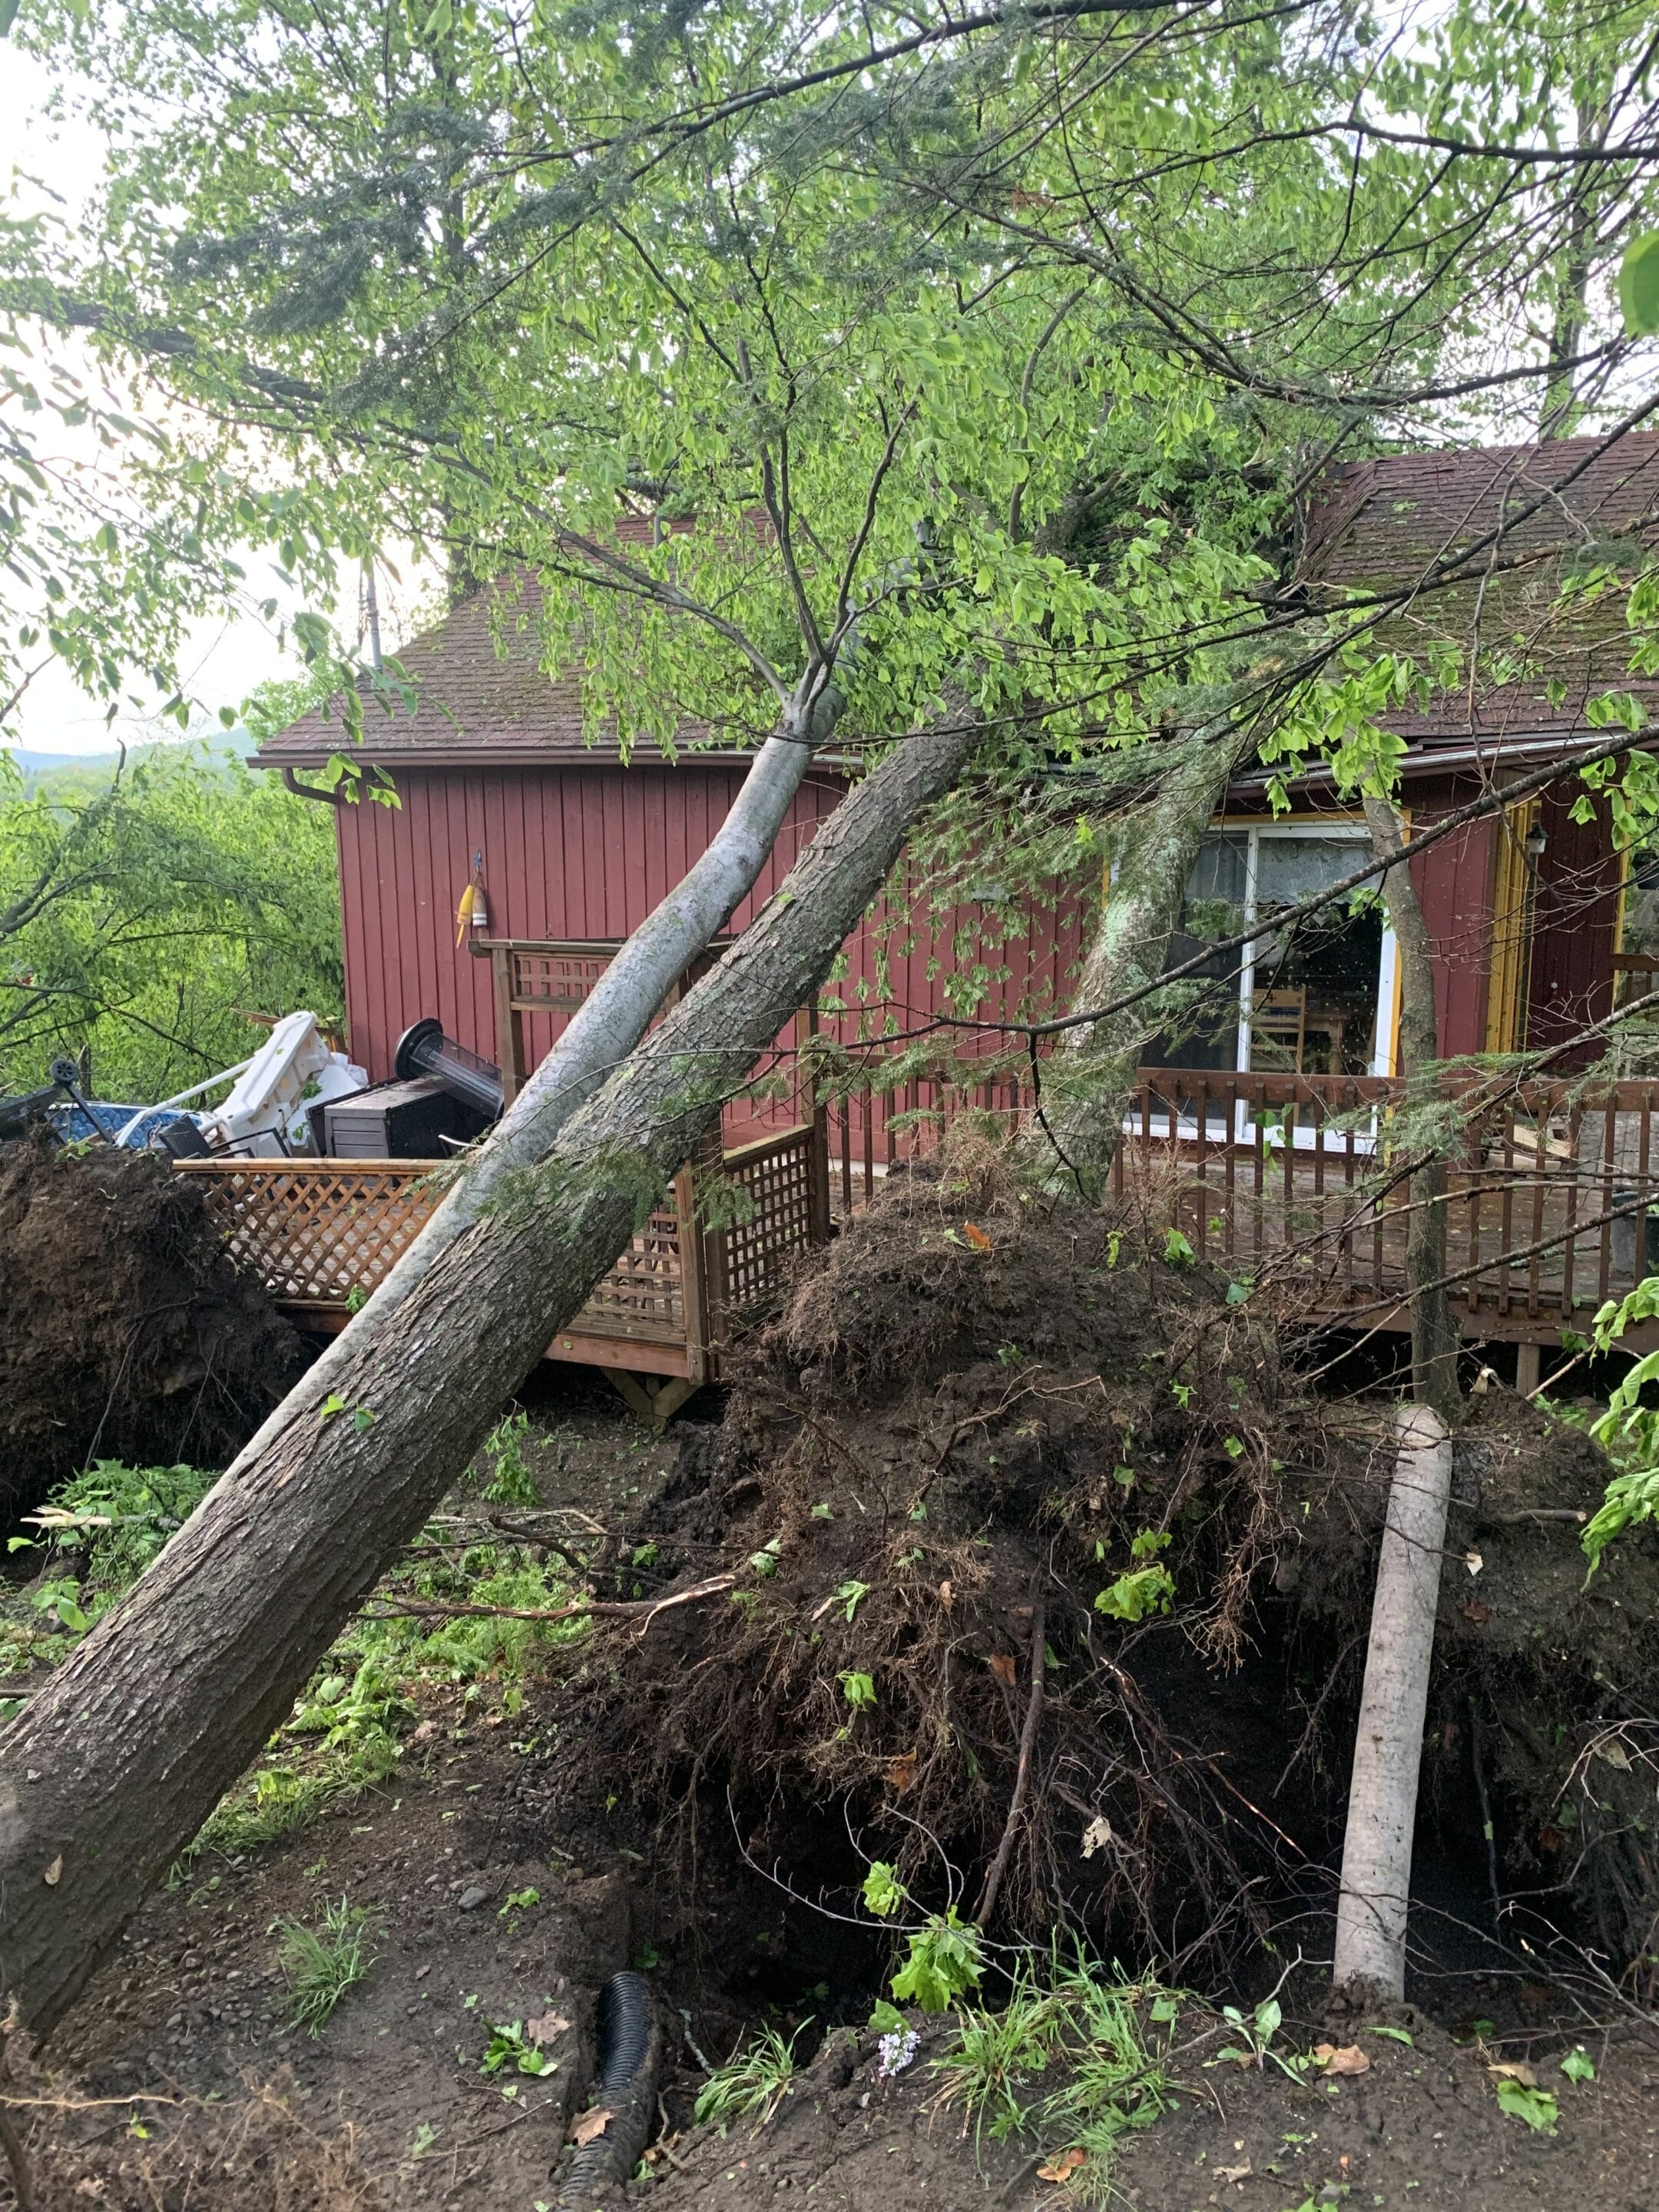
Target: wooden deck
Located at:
point(1294, 1181)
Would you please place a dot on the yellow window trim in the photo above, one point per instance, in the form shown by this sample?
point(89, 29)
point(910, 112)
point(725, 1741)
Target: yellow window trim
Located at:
point(1509, 973)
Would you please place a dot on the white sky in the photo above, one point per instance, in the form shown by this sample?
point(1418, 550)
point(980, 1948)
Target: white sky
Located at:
point(226, 657)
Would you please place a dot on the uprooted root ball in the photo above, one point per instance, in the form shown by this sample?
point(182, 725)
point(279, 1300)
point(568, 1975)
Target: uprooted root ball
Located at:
point(998, 1471)
point(126, 1331)
point(1004, 1474)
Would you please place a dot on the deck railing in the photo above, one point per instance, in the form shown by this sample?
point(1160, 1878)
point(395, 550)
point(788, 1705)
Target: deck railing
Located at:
point(1551, 1189)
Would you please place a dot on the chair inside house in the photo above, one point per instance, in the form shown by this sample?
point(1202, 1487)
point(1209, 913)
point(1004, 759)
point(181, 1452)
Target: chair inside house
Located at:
point(1279, 1028)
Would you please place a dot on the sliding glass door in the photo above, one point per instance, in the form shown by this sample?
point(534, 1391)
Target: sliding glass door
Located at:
point(1317, 998)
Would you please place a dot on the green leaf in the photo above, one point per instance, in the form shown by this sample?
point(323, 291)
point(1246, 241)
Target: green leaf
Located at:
point(332, 1405)
point(883, 1893)
point(1578, 2065)
point(363, 1417)
point(1638, 285)
point(1132, 1597)
point(944, 1963)
point(1537, 2107)
point(858, 1690)
point(852, 1595)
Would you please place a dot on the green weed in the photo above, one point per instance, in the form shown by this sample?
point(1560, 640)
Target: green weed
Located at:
point(351, 1709)
point(1074, 2060)
point(511, 1482)
point(942, 1959)
point(321, 1964)
point(509, 2045)
point(118, 1517)
point(106, 1525)
point(754, 2083)
point(279, 1800)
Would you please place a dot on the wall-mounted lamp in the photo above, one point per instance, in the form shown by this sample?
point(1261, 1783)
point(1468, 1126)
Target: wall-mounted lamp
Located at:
point(1535, 841)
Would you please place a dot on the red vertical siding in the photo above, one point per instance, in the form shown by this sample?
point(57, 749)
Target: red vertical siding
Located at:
point(579, 852)
point(1453, 882)
point(1575, 918)
point(568, 853)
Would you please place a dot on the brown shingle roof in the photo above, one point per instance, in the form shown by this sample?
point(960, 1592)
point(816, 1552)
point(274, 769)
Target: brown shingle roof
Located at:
point(1380, 521)
point(480, 696)
point(1509, 522)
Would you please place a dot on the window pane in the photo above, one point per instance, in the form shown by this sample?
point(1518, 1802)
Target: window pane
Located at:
point(1203, 1032)
point(1314, 1007)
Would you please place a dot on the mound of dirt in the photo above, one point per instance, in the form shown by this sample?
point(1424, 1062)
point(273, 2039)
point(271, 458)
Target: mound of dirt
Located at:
point(126, 1332)
point(1052, 1583)
point(1421, 2127)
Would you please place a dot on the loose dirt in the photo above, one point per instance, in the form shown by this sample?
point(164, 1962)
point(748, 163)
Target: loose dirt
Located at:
point(939, 1454)
point(1421, 2129)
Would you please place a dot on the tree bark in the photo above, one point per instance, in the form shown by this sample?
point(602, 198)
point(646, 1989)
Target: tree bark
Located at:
point(1434, 1332)
point(1153, 851)
point(113, 1765)
point(1377, 1852)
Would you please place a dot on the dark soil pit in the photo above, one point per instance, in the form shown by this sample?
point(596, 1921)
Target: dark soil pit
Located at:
point(126, 1331)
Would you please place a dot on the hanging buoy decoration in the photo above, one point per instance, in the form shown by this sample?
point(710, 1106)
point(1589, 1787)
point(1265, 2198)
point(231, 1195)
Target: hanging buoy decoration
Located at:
point(473, 912)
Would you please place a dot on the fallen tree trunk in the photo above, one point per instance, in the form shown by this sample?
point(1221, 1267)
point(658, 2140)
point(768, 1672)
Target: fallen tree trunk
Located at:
point(1153, 849)
point(114, 1764)
point(614, 1016)
point(1377, 1851)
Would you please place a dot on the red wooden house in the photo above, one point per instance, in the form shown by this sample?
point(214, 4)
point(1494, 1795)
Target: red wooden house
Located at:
point(573, 846)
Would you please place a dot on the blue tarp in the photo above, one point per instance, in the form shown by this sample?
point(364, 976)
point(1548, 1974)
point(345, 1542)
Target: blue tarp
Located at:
point(72, 1125)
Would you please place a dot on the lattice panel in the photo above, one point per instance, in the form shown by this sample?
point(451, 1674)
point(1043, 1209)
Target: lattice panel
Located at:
point(555, 982)
point(779, 1185)
point(313, 1238)
point(644, 1294)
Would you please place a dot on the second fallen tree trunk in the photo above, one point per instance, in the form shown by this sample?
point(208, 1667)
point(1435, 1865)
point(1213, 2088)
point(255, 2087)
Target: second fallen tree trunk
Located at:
point(1154, 845)
point(116, 1762)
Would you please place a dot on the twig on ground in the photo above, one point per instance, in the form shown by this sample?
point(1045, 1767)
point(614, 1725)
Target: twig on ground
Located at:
point(11, 2140)
point(661, 2143)
point(643, 1609)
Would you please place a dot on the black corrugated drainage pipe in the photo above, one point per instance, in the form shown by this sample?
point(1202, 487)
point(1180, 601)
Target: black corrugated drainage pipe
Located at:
point(630, 2057)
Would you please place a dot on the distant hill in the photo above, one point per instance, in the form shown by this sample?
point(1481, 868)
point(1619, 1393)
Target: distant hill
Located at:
point(38, 767)
point(35, 763)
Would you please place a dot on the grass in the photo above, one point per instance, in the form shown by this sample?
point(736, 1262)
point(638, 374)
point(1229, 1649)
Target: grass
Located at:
point(321, 1964)
point(1074, 2060)
point(752, 2085)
